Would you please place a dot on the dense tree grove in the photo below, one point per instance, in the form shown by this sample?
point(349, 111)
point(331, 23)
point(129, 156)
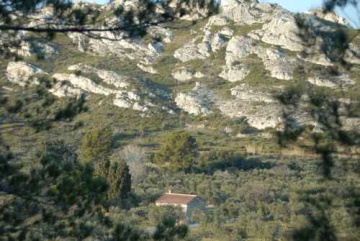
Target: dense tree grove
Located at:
point(59, 198)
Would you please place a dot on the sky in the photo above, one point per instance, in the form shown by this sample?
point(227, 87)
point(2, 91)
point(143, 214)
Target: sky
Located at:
point(301, 6)
point(297, 6)
point(350, 13)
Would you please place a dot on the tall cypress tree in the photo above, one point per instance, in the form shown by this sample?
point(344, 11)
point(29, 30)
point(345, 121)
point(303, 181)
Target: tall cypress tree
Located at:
point(119, 181)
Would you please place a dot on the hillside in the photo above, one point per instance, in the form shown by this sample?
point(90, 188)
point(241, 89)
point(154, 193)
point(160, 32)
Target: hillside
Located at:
point(233, 64)
point(221, 79)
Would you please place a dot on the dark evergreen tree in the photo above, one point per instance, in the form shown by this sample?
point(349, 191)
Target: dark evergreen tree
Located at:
point(178, 152)
point(168, 230)
point(119, 181)
point(96, 148)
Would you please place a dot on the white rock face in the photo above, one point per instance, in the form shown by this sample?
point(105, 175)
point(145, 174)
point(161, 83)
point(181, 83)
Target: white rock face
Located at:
point(333, 82)
point(217, 20)
point(240, 47)
point(84, 83)
point(120, 101)
point(240, 14)
point(139, 107)
point(260, 116)
point(109, 77)
point(279, 66)
point(113, 78)
point(64, 90)
point(193, 51)
point(319, 59)
point(234, 73)
point(282, 31)
point(27, 49)
point(350, 123)
point(71, 84)
point(216, 41)
point(352, 55)
point(183, 74)
point(147, 68)
point(331, 16)
point(164, 34)
point(245, 13)
point(21, 73)
point(258, 106)
point(198, 101)
point(199, 75)
point(110, 43)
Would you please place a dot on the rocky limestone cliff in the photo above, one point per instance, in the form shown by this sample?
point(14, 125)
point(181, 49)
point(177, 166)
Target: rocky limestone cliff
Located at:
point(246, 36)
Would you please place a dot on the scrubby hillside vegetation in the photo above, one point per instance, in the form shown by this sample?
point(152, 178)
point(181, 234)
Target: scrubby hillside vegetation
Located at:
point(252, 108)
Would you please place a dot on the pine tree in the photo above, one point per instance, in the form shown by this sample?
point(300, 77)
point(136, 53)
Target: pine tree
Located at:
point(178, 152)
point(96, 146)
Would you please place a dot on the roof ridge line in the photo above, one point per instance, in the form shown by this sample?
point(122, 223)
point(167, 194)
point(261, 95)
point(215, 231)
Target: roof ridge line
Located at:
point(181, 194)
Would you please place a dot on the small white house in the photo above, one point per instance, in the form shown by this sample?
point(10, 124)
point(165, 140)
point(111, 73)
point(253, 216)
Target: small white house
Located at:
point(189, 203)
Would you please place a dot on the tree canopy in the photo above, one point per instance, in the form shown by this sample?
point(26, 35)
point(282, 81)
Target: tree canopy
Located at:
point(178, 152)
point(96, 145)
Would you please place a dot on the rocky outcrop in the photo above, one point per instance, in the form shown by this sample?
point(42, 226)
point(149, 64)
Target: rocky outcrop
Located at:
point(247, 13)
point(234, 72)
point(331, 82)
point(22, 73)
point(330, 16)
point(277, 63)
point(350, 124)
point(75, 85)
point(63, 89)
point(239, 47)
point(166, 35)
point(193, 51)
point(109, 77)
point(258, 106)
point(84, 83)
point(282, 31)
point(123, 97)
point(183, 74)
point(40, 50)
point(352, 55)
point(147, 68)
point(216, 41)
point(116, 44)
point(197, 101)
point(260, 116)
point(211, 43)
point(319, 59)
point(186, 74)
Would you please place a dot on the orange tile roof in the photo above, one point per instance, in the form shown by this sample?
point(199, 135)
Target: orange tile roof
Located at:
point(175, 198)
